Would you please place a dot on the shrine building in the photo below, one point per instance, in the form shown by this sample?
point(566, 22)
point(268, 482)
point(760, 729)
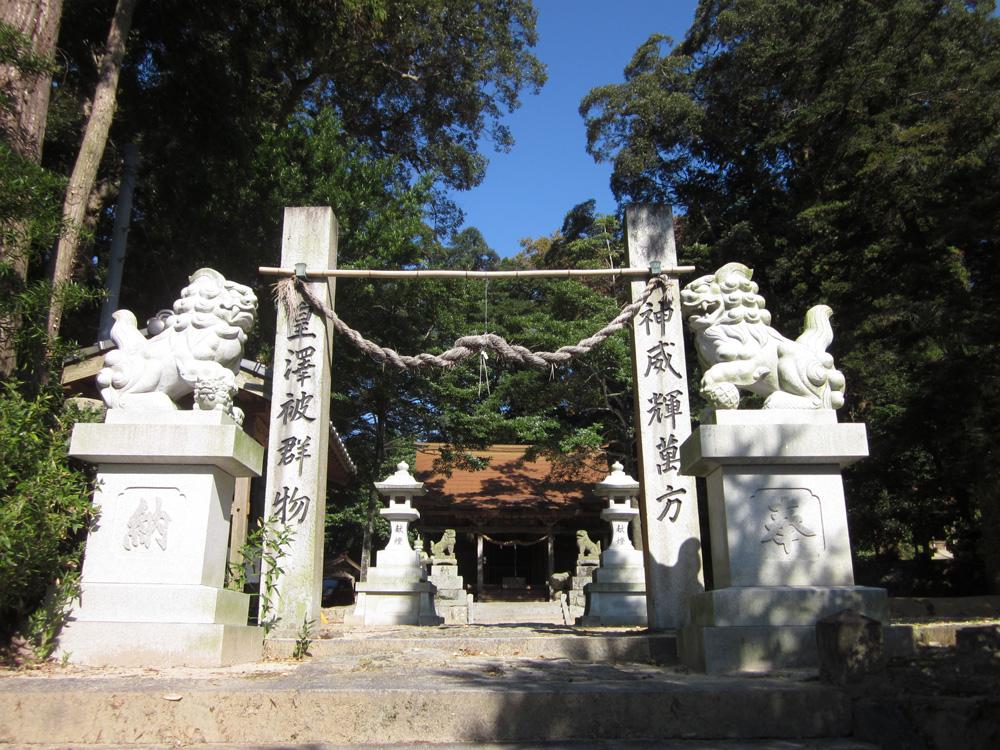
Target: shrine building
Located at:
point(515, 520)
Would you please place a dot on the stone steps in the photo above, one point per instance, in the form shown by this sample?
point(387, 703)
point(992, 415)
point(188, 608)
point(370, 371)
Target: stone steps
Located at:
point(449, 686)
point(604, 645)
point(428, 695)
point(807, 744)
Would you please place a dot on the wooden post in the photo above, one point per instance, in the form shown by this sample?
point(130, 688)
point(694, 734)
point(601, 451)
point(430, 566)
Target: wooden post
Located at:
point(240, 520)
point(479, 565)
point(668, 502)
point(636, 527)
point(298, 443)
point(550, 564)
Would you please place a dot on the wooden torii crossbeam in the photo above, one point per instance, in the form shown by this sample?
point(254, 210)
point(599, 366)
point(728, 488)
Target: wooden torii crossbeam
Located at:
point(434, 273)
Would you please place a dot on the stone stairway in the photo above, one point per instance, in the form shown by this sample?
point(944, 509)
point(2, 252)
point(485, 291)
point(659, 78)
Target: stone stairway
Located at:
point(515, 613)
point(450, 686)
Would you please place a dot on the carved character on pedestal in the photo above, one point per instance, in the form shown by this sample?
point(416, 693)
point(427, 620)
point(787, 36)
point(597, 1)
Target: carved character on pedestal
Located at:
point(197, 350)
point(587, 548)
point(738, 348)
point(445, 548)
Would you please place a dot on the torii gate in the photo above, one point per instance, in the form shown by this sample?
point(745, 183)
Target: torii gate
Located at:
point(300, 404)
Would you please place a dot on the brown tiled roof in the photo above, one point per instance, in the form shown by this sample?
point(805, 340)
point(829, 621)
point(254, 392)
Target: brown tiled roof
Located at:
point(510, 484)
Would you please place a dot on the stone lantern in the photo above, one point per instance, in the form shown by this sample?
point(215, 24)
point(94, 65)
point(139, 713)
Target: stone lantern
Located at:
point(617, 595)
point(621, 490)
point(400, 489)
point(397, 591)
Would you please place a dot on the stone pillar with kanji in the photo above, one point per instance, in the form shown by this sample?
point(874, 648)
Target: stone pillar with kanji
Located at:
point(667, 502)
point(298, 443)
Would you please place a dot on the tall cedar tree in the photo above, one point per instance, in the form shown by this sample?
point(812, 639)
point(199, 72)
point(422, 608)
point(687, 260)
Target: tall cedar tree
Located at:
point(28, 33)
point(848, 150)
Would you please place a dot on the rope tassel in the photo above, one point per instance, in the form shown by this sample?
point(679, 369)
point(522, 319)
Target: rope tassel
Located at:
point(290, 293)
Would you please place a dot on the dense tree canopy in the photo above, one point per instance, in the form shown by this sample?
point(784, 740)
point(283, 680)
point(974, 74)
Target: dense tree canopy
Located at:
point(209, 87)
point(850, 152)
point(847, 149)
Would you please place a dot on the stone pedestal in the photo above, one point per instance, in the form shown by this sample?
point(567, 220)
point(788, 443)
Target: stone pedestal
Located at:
point(781, 554)
point(154, 568)
point(582, 577)
point(617, 594)
point(397, 591)
point(450, 599)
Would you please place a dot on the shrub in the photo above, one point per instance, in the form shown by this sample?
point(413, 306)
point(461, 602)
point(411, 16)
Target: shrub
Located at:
point(45, 508)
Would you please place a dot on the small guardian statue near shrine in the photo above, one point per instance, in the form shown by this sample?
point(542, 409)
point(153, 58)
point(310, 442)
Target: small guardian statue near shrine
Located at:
point(587, 549)
point(738, 348)
point(443, 550)
point(197, 349)
point(418, 545)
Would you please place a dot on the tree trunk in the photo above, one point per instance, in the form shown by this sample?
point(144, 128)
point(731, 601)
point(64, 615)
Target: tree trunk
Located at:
point(23, 120)
point(95, 138)
point(373, 502)
point(119, 239)
point(22, 124)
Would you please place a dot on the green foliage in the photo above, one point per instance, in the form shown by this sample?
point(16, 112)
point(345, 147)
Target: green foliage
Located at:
point(45, 622)
point(45, 511)
point(848, 151)
point(270, 540)
point(347, 516)
point(15, 49)
point(30, 199)
point(303, 640)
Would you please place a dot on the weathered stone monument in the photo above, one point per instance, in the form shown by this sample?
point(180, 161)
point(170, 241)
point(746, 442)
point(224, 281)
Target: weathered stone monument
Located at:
point(617, 593)
point(451, 602)
point(299, 437)
point(397, 591)
point(668, 502)
point(781, 555)
point(153, 573)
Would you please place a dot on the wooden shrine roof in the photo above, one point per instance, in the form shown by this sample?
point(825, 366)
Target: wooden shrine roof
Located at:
point(511, 487)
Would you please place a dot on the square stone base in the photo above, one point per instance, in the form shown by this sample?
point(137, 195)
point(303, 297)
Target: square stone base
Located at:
point(159, 644)
point(129, 602)
point(610, 604)
point(757, 629)
point(747, 649)
point(388, 603)
point(450, 597)
point(455, 611)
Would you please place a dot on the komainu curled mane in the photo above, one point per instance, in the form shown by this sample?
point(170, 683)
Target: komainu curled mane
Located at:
point(198, 351)
point(738, 348)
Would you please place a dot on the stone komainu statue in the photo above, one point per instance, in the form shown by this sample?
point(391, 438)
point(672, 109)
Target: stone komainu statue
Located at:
point(197, 350)
point(444, 549)
point(738, 348)
point(586, 548)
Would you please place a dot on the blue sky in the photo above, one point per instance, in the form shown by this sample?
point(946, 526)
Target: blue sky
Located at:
point(583, 43)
